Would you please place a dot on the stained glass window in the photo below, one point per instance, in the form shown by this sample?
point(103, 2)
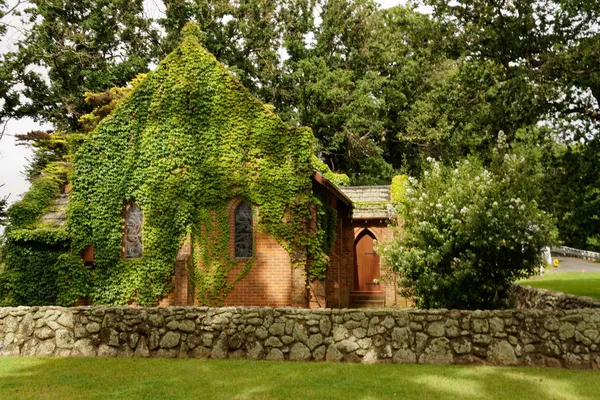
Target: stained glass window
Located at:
point(133, 232)
point(243, 230)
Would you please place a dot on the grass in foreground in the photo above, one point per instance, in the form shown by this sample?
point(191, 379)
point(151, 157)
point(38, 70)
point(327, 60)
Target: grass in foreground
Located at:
point(101, 378)
point(577, 283)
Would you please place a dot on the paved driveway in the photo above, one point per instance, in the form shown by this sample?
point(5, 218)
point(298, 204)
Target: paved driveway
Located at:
point(572, 264)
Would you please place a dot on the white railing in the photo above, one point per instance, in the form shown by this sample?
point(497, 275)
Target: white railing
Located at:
point(569, 251)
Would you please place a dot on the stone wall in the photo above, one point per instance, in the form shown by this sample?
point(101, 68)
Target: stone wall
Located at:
point(527, 297)
point(510, 337)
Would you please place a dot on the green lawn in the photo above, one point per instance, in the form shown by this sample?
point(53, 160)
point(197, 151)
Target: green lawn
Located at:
point(578, 283)
point(101, 378)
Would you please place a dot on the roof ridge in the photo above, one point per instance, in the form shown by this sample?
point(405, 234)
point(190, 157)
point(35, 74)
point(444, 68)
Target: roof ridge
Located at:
point(367, 186)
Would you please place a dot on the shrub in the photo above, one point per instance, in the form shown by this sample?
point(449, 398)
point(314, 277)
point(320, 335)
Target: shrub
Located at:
point(468, 232)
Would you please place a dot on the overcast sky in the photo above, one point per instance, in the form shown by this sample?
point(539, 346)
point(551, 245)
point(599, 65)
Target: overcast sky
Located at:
point(13, 159)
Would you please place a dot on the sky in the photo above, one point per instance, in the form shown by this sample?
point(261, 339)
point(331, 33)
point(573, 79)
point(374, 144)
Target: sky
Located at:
point(13, 158)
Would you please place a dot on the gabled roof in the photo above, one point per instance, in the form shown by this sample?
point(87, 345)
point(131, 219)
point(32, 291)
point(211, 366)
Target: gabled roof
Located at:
point(369, 202)
point(320, 178)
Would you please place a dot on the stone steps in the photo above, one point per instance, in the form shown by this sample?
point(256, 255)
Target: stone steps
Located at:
point(367, 303)
point(367, 300)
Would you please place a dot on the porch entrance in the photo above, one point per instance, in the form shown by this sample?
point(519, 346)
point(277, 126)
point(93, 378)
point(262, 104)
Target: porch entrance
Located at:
point(367, 272)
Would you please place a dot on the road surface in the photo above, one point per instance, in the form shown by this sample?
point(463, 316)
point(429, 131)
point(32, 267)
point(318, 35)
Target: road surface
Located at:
point(572, 264)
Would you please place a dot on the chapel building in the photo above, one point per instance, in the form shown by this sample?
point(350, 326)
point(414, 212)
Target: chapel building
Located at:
point(190, 84)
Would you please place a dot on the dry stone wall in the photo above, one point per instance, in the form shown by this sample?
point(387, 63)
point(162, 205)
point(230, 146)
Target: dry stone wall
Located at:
point(509, 337)
point(527, 297)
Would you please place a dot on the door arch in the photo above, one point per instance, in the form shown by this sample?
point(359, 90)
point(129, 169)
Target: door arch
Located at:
point(366, 264)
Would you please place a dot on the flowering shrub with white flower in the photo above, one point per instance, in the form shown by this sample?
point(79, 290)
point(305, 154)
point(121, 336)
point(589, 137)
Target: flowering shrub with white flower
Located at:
point(467, 232)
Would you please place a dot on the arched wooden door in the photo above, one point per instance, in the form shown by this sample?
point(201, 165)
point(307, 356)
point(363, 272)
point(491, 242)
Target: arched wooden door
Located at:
point(367, 263)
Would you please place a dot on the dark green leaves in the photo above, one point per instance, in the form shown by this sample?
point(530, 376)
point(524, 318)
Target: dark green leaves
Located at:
point(73, 47)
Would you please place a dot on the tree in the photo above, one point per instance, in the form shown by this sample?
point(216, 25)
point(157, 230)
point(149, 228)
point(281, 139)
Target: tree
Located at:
point(69, 48)
point(469, 231)
point(553, 45)
point(524, 68)
point(572, 193)
point(510, 66)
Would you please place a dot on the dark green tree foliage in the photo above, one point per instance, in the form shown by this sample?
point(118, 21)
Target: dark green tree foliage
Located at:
point(521, 62)
point(530, 70)
point(359, 81)
point(554, 44)
point(341, 99)
point(380, 88)
point(572, 193)
point(70, 47)
point(468, 104)
point(185, 142)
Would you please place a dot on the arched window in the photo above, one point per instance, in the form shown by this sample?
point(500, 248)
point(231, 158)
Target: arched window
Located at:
point(243, 230)
point(133, 232)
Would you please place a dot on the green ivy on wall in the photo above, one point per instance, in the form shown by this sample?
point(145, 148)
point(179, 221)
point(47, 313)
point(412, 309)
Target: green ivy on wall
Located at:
point(31, 250)
point(212, 256)
point(398, 188)
point(324, 240)
point(333, 177)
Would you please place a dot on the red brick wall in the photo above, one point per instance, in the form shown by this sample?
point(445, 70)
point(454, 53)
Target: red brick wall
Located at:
point(273, 282)
point(270, 279)
point(182, 293)
point(331, 292)
point(340, 276)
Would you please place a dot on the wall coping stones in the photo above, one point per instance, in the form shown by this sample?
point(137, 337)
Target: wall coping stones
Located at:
point(527, 297)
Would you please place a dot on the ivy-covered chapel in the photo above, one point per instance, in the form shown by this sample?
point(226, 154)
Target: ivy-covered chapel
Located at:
point(192, 191)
